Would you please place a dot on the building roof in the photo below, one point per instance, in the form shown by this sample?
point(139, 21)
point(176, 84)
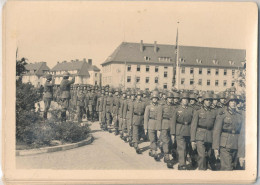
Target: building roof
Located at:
point(36, 68)
point(166, 54)
point(82, 67)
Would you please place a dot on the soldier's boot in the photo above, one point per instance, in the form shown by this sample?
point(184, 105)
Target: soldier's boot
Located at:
point(151, 153)
point(170, 164)
point(182, 167)
point(45, 115)
point(157, 157)
point(121, 135)
point(166, 158)
point(63, 116)
point(131, 144)
point(116, 132)
point(137, 149)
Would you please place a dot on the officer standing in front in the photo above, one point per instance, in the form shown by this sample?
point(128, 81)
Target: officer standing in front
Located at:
point(48, 94)
point(65, 94)
point(80, 103)
point(229, 136)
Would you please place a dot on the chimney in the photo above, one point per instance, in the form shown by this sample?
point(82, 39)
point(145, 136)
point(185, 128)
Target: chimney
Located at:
point(155, 46)
point(90, 61)
point(58, 62)
point(141, 46)
point(84, 60)
point(77, 60)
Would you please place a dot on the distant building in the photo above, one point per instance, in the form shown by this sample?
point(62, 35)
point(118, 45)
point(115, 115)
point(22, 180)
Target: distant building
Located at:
point(84, 72)
point(35, 73)
point(146, 66)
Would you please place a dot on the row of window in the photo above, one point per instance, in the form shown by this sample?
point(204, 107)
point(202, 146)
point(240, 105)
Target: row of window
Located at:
point(137, 79)
point(208, 82)
point(147, 68)
point(208, 71)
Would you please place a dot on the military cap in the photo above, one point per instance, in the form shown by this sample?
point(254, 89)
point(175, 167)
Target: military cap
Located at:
point(232, 89)
point(170, 95)
point(48, 76)
point(207, 96)
point(176, 95)
point(139, 92)
point(66, 74)
point(232, 97)
point(116, 90)
point(215, 97)
point(222, 95)
point(155, 94)
point(133, 92)
point(240, 98)
point(193, 96)
point(111, 90)
point(123, 91)
point(128, 93)
point(185, 95)
point(196, 92)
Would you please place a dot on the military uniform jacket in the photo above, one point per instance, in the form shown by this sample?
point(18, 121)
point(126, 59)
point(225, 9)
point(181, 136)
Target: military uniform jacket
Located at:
point(165, 114)
point(137, 111)
point(91, 99)
point(80, 99)
point(100, 102)
point(115, 104)
point(122, 102)
point(162, 101)
point(65, 88)
point(146, 100)
point(181, 121)
point(202, 125)
point(48, 90)
point(194, 106)
point(229, 132)
point(151, 117)
point(108, 104)
point(128, 113)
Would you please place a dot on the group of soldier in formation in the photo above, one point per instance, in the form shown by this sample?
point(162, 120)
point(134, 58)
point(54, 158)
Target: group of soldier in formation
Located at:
point(200, 130)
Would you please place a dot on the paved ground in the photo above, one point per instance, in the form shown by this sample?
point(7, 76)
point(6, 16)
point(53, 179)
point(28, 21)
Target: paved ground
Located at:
point(106, 152)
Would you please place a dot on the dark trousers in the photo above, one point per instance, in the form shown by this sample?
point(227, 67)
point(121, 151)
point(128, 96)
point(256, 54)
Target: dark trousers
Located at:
point(65, 106)
point(205, 154)
point(228, 159)
point(183, 147)
point(165, 138)
point(137, 130)
point(153, 139)
point(80, 112)
point(47, 104)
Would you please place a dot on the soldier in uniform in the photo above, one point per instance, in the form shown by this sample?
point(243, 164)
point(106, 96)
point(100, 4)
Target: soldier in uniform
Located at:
point(152, 123)
point(222, 100)
point(99, 107)
point(201, 133)
point(180, 128)
point(91, 99)
point(193, 102)
point(115, 109)
point(121, 127)
point(229, 136)
point(215, 101)
point(176, 99)
point(108, 110)
point(128, 98)
point(80, 103)
point(65, 94)
point(165, 114)
point(137, 111)
point(48, 94)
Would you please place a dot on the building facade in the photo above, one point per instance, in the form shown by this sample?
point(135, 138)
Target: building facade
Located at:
point(83, 71)
point(35, 73)
point(149, 66)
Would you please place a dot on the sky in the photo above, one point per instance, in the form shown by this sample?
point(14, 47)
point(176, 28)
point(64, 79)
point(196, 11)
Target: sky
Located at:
point(54, 31)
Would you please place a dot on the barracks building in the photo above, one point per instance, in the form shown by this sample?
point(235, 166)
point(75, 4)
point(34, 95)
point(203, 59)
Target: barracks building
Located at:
point(148, 66)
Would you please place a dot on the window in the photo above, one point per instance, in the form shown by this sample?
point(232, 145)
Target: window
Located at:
point(128, 79)
point(216, 73)
point(147, 80)
point(224, 83)
point(156, 80)
point(182, 81)
point(165, 67)
point(191, 70)
point(138, 68)
point(216, 82)
point(137, 79)
point(208, 82)
point(225, 72)
point(95, 74)
point(233, 83)
point(147, 68)
point(208, 71)
point(146, 58)
point(156, 69)
point(95, 82)
point(129, 68)
point(183, 70)
point(165, 86)
point(200, 71)
point(191, 81)
point(200, 82)
point(233, 72)
point(165, 74)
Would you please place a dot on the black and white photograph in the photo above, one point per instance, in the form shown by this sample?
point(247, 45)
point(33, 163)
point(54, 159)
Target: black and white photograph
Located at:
point(130, 87)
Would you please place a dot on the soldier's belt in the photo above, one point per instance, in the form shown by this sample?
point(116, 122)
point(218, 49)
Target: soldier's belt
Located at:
point(230, 131)
point(139, 114)
point(204, 127)
point(184, 123)
point(166, 118)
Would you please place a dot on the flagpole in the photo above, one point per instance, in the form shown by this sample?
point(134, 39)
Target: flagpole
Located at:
point(177, 60)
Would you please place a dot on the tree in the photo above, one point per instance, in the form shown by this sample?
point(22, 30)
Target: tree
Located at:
point(20, 66)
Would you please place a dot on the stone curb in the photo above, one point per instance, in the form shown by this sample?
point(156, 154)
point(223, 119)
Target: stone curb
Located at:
point(55, 148)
